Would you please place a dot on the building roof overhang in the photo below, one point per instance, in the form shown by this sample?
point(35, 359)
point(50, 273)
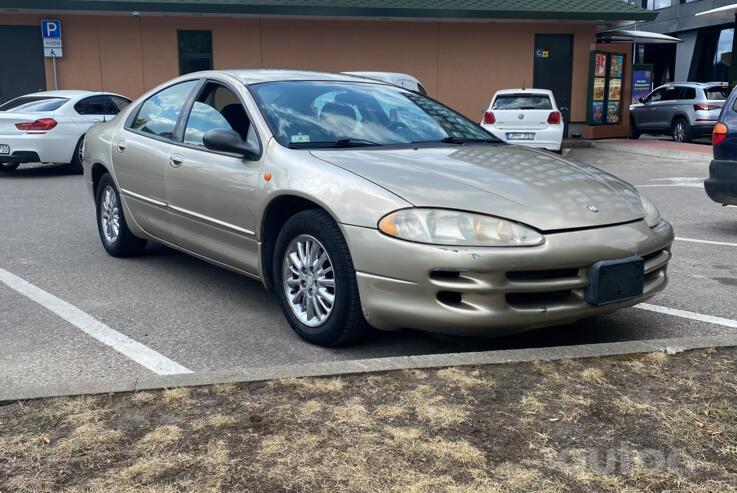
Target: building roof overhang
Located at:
point(543, 10)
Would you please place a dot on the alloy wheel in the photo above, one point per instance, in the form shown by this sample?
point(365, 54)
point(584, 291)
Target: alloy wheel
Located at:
point(110, 215)
point(309, 280)
point(679, 132)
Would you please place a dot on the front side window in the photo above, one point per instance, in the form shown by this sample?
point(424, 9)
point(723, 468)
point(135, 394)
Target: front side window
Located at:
point(522, 101)
point(306, 113)
point(217, 107)
point(33, 103)
point(159, 114)
point(195, 51)
point(656, 95)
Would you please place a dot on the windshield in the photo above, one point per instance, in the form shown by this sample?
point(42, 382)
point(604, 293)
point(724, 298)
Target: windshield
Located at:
point(33, 103)
point(522, 102)
point(333, 114)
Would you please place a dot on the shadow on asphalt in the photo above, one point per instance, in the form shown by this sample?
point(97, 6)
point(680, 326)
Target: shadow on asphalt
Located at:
point(39, 170)
point(223, 284)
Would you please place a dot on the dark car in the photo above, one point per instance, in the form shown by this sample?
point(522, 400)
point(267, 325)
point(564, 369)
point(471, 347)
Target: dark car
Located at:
point(721, 186)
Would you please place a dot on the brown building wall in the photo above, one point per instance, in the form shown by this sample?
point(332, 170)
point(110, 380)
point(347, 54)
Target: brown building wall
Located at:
point(461, 64)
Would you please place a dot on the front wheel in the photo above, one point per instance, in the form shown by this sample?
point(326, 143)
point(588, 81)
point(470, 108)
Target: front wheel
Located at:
point(316, 282)
point(111, 224)
point(634, 131)
point(681, 131)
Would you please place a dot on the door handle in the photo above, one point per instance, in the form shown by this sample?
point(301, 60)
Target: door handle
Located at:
point(121, 145)
point(175, 160)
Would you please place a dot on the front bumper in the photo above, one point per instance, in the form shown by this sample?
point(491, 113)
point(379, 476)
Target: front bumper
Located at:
point(496, 291)
point(721, 186)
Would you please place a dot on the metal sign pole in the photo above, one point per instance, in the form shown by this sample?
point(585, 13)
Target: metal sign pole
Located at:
point(56, 81)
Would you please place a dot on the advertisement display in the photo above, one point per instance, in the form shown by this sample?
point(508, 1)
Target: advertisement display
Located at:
point(642, 81)
point(605, 88)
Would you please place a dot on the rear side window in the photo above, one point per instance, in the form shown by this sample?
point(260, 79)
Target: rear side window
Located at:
point(33, 103)
point(522, 102)
point(688, 93)
point(716, 93)
point(101, 105)
point(672, 93)
point(159, 114)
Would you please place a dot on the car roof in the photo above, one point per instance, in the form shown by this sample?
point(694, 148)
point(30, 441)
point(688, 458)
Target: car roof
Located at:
point(384, 76)
point(256, 76)
point(697, 84)
point(69, 94)
point(524, 91)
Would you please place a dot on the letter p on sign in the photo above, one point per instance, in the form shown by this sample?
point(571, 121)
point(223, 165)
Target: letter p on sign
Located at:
point(51, 29)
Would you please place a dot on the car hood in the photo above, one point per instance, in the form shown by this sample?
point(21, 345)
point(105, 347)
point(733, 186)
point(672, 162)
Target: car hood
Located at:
point(532, 187)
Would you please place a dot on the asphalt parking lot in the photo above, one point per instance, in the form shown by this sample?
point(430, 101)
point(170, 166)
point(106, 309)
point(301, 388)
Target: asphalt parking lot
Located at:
point(201, 318)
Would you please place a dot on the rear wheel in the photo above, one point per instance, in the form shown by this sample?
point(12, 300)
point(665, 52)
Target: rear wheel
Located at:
point(111, 224)
point(681, 131)
point(316, 282)
point(7, 167)
point(75, 166)
point(634, 131)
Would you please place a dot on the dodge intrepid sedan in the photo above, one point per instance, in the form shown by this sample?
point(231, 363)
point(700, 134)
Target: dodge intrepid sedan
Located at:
point(364, 204)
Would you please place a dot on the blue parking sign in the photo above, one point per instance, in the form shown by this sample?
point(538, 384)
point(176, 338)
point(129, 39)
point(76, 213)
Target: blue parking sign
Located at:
point(51, 28)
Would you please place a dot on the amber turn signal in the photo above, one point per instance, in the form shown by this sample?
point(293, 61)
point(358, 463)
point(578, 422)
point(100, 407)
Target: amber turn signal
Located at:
point(719, 134)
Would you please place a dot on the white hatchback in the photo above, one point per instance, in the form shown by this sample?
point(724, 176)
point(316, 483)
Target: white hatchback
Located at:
point(528, 117)
point(49, 126)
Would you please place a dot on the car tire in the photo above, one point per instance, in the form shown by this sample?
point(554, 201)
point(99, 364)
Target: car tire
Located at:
point(308, 235)
point(116, 238)
point(634, 131)
point(681, 130)
point(75, 167)
point(8, 167)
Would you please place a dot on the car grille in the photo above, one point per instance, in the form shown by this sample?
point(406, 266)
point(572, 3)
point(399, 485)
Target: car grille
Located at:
point(529, 290)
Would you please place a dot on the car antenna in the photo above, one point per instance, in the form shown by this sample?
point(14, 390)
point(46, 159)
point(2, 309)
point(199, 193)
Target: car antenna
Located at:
point(523, 85)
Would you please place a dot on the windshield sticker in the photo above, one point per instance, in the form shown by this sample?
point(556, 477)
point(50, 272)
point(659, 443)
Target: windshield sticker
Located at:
point(299, 138)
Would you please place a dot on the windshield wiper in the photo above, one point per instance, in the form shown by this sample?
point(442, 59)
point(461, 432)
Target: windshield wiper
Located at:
point(462, 140)
point(335, 143)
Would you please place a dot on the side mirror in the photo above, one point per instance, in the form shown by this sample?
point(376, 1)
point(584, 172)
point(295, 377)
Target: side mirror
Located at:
point(642, 100)
point(226, 140)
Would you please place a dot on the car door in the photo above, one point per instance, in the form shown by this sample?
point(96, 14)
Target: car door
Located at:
point(211, 194)
point(644, 115)
point(141, 151)
point(662, 111)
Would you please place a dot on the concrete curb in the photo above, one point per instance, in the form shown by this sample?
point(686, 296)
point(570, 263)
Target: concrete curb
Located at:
point(670, 346)
point(698, 157)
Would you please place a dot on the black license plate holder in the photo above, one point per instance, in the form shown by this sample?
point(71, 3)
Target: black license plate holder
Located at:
point(615, 280)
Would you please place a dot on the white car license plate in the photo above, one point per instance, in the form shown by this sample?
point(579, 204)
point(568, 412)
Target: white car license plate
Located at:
point(4, 149)
point(520, 135)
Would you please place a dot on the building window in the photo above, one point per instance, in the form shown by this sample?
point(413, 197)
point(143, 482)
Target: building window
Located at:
point(712, 55)
point(195, 51)
point(656, 4)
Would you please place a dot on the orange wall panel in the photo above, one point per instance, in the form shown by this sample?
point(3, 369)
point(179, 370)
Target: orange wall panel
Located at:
point(462, 64)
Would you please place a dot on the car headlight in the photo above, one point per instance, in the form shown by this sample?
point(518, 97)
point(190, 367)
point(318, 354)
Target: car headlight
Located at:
point(448, 227)
point(652, 215)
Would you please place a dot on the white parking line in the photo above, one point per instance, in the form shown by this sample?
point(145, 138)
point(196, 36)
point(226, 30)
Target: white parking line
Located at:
point(708, 242)
point(143, 355)
point(699, 317)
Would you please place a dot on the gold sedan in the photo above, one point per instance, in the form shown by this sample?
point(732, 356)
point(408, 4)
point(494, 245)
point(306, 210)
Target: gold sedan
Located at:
point(361, 203)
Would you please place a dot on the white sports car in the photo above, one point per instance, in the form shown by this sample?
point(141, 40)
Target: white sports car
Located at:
point(49, 127)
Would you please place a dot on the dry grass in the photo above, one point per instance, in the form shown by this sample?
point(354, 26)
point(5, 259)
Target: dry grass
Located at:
point(179, 397)
point(307, 387)
point(547, 427)
point(159, 439)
